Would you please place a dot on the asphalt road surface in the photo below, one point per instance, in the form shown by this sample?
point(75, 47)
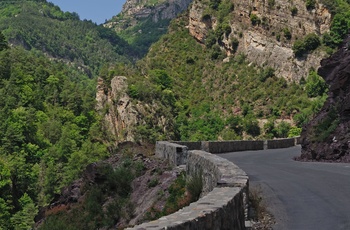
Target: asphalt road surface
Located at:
point(300, 195)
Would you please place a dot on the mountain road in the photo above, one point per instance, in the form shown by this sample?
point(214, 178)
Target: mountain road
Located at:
point(300, 195)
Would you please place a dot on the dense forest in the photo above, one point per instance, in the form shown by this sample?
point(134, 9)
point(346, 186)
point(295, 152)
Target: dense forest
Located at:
point(49, 130)
point(50, 60)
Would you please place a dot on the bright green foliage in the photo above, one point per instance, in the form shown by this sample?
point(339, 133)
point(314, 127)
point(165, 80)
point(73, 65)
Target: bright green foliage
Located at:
point(294, 132)
point(315, 85)
point(46, 115)
point(24, 219)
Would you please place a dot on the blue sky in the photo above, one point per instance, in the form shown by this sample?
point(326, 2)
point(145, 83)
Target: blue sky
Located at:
point(95, 10)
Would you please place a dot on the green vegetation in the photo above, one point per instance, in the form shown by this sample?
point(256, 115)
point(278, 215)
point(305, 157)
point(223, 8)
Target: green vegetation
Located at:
point(61, 35)
point(310, 4)
point(271, 3)
point(309, 43)
point(181, 194)
point(48, 132)
point(325, 126)
point(113, 185)
point(315, 85)
point(287, 33)
point(294, 11)
point(141, 36)
point(255, 19)
point(223, 100)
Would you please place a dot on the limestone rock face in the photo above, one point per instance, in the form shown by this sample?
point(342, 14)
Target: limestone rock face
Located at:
point(327, 136)
point(120, 115)
point(266, 43)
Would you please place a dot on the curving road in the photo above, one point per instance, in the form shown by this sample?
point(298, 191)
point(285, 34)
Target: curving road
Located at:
point(300, 195)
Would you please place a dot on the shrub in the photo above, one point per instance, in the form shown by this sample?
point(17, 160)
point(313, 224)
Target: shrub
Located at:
point(267, 73)
point(310, 4)
point(271, 3)
point(312, 41)
point(234, 44)
point(287, 33)
point(195, 185)
point(294, 10)
point(299, 48)
point(294, 132)
point(309, 43)
point(210, 40)
point(251, 126)
point(282, 129)
point(315, 85)
point(255, 19)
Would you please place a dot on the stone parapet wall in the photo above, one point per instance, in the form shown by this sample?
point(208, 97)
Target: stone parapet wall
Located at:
point(224, 200)
point(218, 147)
point(194, 145)
point(223, 204)
point(208, 213)
point(231, 146)
point(175, 153)
point(281, 143)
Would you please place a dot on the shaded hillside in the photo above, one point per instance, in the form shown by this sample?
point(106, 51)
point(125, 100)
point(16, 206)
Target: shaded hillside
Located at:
point(42, 26)
point(326, 137)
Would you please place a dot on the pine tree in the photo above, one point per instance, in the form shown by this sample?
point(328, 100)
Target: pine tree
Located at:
point(3, 42)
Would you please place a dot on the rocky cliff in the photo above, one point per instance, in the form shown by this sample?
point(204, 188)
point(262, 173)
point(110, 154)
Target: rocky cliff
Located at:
point(135, 11)
point(326, 137)
point(266, 31)
point(122, 116)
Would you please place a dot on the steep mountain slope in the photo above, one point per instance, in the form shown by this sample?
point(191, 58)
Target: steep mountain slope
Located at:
point(142, 22)
point(326, 137)
point(211, 99)
point(42, 26)
point(263, 30)
point(232, 69)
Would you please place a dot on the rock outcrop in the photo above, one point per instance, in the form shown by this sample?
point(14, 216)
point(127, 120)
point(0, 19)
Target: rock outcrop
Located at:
point(266, 43)
point(135, 11)
point(122, 115)
point(327, 136)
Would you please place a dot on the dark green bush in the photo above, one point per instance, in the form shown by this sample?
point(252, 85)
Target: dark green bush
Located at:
point(234, 44)
point(309, 43)
point(255, 19)
point(287, 33)
point(310, 4)
point(294, 10)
